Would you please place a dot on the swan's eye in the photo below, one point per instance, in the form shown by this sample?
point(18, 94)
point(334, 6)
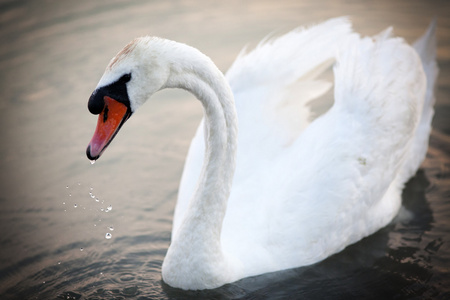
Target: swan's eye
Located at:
point(125, 78)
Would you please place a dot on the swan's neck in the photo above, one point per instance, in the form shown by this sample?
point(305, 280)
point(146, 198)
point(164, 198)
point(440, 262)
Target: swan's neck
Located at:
point(196, 248)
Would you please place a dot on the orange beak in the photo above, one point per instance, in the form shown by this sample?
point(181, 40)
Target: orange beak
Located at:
point(110, 120)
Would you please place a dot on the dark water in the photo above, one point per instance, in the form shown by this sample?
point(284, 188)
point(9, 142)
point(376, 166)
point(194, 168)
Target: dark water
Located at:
point(53, 233)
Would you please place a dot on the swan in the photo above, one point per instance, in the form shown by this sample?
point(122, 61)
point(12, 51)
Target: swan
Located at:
point(289, 190)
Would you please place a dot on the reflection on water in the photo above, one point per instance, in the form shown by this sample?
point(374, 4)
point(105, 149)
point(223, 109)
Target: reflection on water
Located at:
point(72, 230)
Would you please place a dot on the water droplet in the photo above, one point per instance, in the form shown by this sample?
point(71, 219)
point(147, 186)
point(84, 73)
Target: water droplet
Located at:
point(64, 203)
point(92, 195)
point(92, 162)
point(108, 236)
point(81, 249)
point(95, 225)
point(97, 200)
point(70, 195)
point(91, 188)
point(75, 205)
point(111, 228)
point(67, 186)
point(59, 262)
point(101, 209)
point(109, 208)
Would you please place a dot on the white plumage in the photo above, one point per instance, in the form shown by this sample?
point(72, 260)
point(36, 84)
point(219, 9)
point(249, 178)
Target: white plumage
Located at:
point(301, 190)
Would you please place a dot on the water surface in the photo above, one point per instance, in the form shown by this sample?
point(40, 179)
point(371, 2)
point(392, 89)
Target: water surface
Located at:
point(53, 232)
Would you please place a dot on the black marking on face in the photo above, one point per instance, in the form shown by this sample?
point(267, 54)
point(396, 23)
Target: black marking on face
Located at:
point(116, 90)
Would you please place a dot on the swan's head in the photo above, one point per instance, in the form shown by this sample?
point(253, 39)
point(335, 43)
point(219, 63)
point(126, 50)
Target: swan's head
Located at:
point(133, 75)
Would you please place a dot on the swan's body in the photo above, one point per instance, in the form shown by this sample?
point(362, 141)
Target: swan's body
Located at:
point(284, 192)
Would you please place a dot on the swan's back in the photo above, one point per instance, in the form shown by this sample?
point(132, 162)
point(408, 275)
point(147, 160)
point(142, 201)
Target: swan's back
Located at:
point(302, 196)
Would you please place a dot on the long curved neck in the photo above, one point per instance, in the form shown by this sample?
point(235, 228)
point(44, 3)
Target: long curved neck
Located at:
point(199, 233)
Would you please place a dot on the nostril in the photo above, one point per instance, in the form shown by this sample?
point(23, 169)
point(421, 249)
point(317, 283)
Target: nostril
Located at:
point(105, 113)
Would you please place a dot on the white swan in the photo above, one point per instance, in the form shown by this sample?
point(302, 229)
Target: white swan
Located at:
point(286, 192)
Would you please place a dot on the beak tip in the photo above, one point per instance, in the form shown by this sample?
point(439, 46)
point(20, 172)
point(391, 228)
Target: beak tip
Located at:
point(89, 155)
